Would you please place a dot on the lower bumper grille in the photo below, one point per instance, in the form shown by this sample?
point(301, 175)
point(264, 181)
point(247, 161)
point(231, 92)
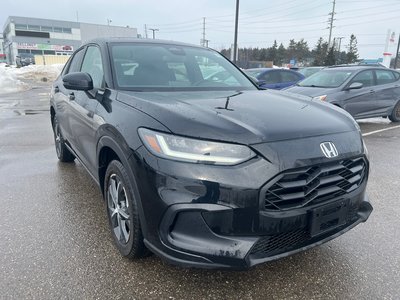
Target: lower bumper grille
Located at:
point(290, 240)
point(311, 185)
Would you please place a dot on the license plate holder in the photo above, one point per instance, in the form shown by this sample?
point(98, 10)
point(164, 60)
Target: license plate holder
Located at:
point(328, 217)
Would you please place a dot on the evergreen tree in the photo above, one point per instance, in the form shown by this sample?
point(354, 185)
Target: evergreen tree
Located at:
point(280, 55)
point(330, 58)
point(291, 50)
point(319, 52)
point(302, 50)
point(352, 53)
point(263, 54)
point(273, 52)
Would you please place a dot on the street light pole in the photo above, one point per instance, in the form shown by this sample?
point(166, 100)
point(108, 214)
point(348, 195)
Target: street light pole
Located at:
point(154, 32)
point(236, 33)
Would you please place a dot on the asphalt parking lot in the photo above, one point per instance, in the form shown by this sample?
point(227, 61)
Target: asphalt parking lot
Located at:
point(55, 243)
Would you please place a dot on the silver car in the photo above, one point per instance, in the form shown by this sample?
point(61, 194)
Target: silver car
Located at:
point(363, 91)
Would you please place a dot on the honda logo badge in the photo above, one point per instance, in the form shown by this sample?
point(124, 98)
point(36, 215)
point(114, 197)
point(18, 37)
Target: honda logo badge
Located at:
point(329, 149)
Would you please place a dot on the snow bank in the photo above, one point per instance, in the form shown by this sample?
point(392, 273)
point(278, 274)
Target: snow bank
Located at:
point(13, 79)
point(9, 82)
point(38, 72)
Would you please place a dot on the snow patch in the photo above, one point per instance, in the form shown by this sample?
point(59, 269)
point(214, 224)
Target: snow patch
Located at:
point(9, 83)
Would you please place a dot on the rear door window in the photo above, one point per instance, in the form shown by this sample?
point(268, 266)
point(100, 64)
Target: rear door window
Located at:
point(384, 77)
point(288, 76)
point(271, 77)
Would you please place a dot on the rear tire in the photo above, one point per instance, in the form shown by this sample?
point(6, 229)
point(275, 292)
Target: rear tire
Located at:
point(62, 151)
point(122, 212)
point(395, 116)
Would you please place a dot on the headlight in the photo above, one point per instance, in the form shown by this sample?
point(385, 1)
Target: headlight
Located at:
point(320, 98)
point(191, 150)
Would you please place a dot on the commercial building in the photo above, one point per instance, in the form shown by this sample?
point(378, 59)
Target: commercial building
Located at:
point(53, 37)
point(2, 55)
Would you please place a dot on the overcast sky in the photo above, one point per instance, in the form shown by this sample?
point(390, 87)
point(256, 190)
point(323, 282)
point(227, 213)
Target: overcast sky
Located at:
point(261, 21)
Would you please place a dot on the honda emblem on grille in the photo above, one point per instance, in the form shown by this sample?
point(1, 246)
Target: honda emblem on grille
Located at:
point(329, 149)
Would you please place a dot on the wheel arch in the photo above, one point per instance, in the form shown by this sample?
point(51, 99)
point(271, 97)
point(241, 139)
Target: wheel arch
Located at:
point(107, 150)
point(115, 147)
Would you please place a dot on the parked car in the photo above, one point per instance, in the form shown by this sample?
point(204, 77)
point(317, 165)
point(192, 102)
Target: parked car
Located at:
point(25, 59)
point(203, 172)
point(221, 76)
point(308, 71)
point(276, 79)
point(363, 91)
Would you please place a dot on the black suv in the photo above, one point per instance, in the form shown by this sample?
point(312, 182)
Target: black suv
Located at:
point(206, 172)
point(364, 91)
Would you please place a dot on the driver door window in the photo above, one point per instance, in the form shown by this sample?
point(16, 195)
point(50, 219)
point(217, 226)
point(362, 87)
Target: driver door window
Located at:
point(365, 77)
point(93, 64)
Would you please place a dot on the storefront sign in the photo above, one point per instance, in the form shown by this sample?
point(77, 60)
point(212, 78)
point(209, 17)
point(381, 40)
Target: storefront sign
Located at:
point(29, 46)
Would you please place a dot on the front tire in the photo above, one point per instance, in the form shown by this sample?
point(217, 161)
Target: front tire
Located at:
point(62, 151)
point(395, 116)
point(122, 212)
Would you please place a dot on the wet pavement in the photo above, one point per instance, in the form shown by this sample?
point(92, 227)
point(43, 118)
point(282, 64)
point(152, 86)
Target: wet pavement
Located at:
point(55, 243)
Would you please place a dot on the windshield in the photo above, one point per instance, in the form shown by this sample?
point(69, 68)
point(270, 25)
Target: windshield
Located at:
point(164, 67)
point(309, 71)
point(327, 78)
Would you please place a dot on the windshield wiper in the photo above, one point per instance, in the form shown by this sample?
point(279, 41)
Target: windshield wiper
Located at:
point(313, 85)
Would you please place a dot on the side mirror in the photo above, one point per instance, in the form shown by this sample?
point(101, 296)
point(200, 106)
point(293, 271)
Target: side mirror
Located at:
point(355, 86)
point(257, 82)
point(260, 82)
point(78, 81)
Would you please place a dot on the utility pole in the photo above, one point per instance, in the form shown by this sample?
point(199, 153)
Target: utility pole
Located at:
point(397, 54)
point(154, 32)
point(331, 19)
point(236, 33)
point(203, 40)
point(77, 16)
point(340, 42)
point(338, 60)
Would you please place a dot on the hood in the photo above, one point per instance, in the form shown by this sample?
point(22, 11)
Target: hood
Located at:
point(247, 117)
point(310, 91)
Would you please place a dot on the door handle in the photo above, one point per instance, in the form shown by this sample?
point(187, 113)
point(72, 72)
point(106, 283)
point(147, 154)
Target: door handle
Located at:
point(56, 89)
point(371, 91)
point(71, 96)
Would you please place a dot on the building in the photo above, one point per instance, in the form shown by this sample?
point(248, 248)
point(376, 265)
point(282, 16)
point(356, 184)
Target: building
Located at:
point(53, 37)
point(2, 55)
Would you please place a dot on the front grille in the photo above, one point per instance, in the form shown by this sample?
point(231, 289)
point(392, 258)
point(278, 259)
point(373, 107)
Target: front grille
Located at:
point(311, 185)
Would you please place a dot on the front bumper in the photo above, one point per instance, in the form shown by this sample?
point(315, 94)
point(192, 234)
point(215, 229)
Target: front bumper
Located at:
point(188, 241)
point(213, 217)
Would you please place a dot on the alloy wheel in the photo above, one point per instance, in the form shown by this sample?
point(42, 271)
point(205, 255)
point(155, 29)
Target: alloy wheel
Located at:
point(57, 139)
point(118, 207)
